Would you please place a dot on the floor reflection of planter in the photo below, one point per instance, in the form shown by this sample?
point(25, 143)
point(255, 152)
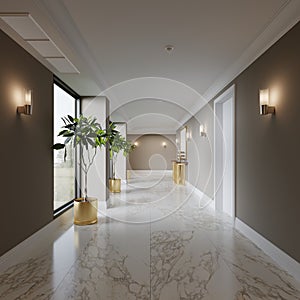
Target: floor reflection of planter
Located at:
point(85, 212)
point(115, 185)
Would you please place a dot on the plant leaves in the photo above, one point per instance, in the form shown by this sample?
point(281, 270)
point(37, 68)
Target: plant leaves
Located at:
point(64, 121)
point(67, 140)
point(70, 126)
point(69, 134)
point(58, 146)
point(63, 132)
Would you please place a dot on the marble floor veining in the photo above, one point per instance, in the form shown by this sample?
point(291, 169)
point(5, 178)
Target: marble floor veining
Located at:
point(155, 240)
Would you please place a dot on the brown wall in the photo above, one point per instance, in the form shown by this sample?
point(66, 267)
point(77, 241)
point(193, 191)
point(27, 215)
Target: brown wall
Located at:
point(150, 154)
point(267, 148)
point(26, 156)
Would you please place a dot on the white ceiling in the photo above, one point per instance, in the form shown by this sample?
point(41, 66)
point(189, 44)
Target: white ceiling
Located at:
point(118, 48)
point(149, 116)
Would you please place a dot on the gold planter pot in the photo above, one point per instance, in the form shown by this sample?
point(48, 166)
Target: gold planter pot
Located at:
point(115, 185)
point(179, 173)
point(85, 212)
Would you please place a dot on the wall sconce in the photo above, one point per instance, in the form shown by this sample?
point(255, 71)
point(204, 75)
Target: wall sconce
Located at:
point(164, 144)
point(136, 144)
point(26, 109)
point(189, 135)
point(264, 99)
point(202, 130)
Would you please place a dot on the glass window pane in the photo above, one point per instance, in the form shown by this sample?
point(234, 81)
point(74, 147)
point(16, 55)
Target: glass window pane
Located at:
point(64, 171)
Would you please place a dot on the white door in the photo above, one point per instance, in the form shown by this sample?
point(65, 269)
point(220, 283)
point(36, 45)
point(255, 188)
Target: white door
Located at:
point(224, 153)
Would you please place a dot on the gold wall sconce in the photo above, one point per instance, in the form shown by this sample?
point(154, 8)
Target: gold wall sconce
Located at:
point(164, 144)
point(202, 130)
point(26, 109)
point(264, 100)
point(136, 144)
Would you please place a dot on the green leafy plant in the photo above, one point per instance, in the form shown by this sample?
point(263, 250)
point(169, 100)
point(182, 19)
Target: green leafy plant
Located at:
point(116, 144)
point(86, 134)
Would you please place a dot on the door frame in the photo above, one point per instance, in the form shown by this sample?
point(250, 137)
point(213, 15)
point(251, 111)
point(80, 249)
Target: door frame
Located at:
point(218, 146)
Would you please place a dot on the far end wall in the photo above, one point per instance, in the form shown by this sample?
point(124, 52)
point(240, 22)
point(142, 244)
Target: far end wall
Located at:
point(150, 154)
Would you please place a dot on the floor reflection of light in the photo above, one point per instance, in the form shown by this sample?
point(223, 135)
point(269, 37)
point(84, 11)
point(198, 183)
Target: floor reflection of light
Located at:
point(64, 254)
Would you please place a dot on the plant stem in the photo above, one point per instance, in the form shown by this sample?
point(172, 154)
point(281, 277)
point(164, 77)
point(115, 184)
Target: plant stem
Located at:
point(85, 186)
point(114, 169)
point(86, 169)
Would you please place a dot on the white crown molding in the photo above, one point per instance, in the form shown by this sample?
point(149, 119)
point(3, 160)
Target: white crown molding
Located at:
point(280, 25)
point(282, 259)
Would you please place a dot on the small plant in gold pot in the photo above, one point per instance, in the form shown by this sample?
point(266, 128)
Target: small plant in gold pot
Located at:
point(86, 135)
point(116, 144)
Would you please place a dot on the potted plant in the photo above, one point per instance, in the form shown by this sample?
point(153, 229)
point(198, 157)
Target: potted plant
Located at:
point(85, 134)
point(116, 143)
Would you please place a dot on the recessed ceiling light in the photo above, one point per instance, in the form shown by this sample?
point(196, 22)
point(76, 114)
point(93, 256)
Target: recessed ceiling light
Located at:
point(169, 48)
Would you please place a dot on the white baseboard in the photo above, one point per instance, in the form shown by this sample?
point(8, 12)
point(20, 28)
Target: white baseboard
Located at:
point(282, 259)
point(210, 201)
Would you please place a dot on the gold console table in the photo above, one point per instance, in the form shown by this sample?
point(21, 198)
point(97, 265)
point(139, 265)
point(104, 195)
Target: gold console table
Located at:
point(179, 171)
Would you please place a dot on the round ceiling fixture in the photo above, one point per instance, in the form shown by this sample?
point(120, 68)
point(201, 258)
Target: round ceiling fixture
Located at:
point(169, 48)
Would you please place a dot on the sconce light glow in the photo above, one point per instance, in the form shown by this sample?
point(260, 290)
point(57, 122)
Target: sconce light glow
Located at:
point(264, 97)
point(164, 144)
point(28, 99)
point(26, 109)
point(136, 144)
point(18, 95)
point(264, 107)
point(202, 130)
point(189, 135)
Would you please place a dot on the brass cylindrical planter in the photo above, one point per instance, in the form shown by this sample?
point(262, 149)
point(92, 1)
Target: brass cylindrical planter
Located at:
point(174, 170)
point(180, 173)
point(115, 185)
point(85, 212)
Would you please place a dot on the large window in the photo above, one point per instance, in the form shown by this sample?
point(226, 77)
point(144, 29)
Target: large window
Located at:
point(64, 170)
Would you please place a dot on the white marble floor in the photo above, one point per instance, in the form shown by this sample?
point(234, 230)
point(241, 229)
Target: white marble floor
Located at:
point(155, 240)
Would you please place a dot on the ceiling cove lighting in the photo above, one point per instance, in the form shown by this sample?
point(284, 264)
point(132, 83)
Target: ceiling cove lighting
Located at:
point(264, 100)
point(26, 109)
point(32, 33)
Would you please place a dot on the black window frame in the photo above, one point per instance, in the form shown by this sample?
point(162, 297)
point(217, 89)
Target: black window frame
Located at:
point(57, 212)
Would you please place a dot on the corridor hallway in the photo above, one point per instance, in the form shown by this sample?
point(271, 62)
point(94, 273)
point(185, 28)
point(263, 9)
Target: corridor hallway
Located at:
point(155, 240)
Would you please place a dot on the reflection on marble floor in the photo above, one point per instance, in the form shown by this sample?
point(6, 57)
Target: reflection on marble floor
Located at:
point(154, 241)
